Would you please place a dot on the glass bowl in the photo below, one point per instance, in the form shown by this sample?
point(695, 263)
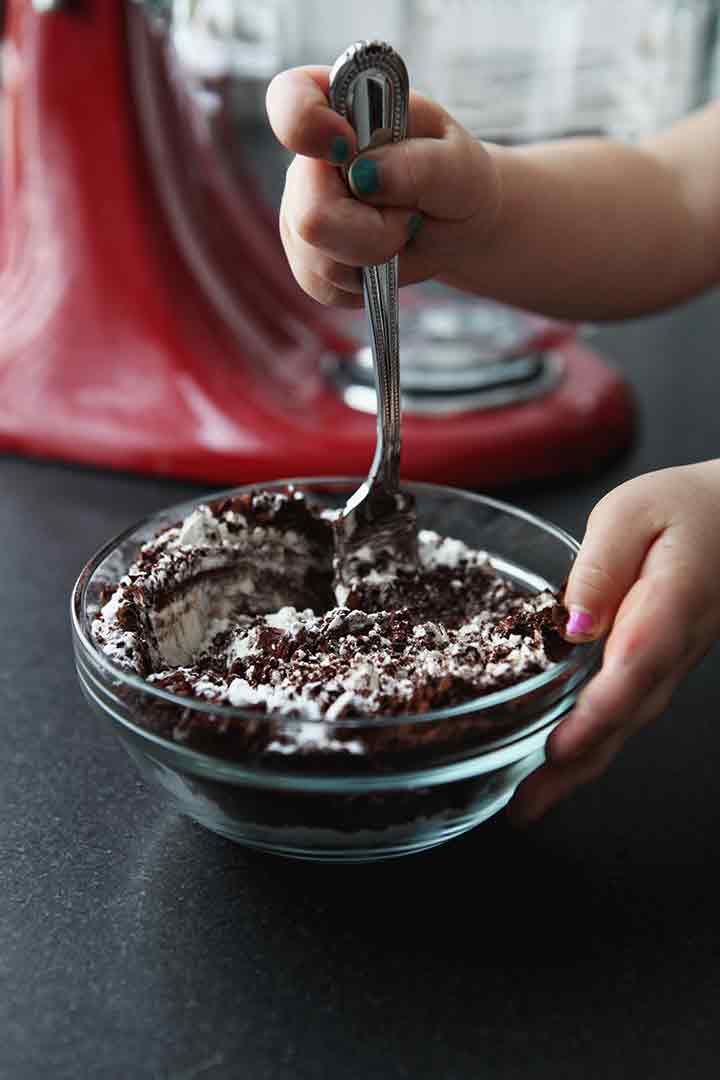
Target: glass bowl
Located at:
point(423, 778)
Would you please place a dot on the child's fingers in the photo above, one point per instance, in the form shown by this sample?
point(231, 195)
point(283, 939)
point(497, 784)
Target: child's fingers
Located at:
point(589, 726)
point(315, 271)
point(311, 267)
point(346, 238)
point(321, 279)
point(302, 119)
point(321, 215)
point(450, 179)
point(656, 636)
point(322, 290)
point(299, 114)
point(619, 533)
point(561, 775)
point(321, 211)
point(553, 782)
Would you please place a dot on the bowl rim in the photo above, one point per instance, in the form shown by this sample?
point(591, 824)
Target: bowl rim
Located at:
point(484, 703)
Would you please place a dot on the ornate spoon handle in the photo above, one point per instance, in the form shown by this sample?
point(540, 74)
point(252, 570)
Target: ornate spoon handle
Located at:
point(369, 86)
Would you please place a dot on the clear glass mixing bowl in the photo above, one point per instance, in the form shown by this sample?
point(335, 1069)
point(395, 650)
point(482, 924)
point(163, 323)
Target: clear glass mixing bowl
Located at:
point(424, 779)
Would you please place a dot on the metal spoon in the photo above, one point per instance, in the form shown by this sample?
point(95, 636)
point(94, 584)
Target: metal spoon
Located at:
point(369, 86)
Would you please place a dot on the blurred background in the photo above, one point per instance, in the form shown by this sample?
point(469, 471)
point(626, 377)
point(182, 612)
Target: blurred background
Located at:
point(519, 71)
point(511, 71)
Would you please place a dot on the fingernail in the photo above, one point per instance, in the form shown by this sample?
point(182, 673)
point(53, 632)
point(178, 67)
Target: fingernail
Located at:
point(364, 176)
point(340, 150)
point(415, 224)
point(580, 623)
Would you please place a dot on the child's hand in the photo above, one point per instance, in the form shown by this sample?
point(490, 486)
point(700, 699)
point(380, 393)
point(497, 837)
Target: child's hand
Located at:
point(648, 573)
point(575, 228)
point(438, 188)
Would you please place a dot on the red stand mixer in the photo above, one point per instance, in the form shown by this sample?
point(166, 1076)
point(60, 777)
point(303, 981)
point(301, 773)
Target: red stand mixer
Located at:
point(149, 321)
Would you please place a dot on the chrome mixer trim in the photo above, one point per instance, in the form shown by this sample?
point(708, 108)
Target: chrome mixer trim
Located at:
point(360, 396)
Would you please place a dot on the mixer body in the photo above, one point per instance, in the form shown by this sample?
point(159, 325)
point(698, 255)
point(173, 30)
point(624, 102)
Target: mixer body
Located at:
point(149, 321)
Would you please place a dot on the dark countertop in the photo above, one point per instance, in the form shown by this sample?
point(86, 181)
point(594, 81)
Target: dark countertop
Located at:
point(135, 945)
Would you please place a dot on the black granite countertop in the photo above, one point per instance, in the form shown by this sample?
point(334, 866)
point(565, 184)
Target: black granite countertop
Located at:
point(135, 945)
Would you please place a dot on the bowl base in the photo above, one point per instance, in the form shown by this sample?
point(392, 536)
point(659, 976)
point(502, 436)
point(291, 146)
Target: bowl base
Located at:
point(362, 854)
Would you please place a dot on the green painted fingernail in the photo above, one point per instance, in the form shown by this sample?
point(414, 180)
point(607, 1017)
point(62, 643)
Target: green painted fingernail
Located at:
point(415, 224)
point(364, 176)
point(340, 150)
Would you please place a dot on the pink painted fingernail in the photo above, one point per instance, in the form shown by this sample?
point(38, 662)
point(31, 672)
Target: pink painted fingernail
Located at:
point(580, 623)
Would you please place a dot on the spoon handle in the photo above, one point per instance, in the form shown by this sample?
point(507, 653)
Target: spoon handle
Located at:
point(369, 86)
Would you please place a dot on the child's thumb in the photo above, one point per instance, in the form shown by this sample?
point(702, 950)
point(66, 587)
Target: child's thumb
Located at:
point(452, 178)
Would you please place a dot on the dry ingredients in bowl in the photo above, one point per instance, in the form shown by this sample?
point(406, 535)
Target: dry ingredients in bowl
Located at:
point(237, 605)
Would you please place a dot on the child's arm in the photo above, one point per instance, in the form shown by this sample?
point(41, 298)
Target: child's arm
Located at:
point(585, 229)
point(595, 229)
